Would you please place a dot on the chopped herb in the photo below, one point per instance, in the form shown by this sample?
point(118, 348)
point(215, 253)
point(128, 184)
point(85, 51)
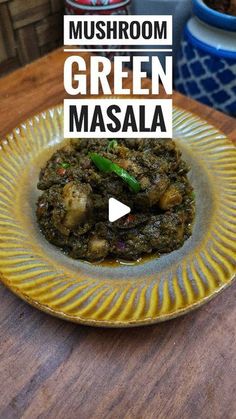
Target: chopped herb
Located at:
point(112, 144)
point(65, 165)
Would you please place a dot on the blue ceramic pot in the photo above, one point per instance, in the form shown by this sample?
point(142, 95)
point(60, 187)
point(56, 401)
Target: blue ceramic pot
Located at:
point(212, 17)
point(206, 65)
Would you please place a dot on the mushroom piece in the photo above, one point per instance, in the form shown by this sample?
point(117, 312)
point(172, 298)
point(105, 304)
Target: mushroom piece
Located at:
point(161, 183)
point(77, 203)
point(170, 198)
point(130, 166)
point(144, 182)
point(97, 248)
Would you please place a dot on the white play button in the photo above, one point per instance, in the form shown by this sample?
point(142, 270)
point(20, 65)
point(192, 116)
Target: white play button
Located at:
point(117, 210)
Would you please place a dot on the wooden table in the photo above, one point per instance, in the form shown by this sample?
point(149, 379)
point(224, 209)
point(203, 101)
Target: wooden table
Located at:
point(184, 368)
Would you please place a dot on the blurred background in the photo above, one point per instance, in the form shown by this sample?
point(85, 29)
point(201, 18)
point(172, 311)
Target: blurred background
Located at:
point(28, 30)
point(32, 28)
point(204, 48)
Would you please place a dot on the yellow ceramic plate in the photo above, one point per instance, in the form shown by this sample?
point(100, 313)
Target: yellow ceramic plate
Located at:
point(156, 290)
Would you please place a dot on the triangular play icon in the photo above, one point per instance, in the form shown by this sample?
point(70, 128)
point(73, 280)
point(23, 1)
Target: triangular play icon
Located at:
point(117, 210)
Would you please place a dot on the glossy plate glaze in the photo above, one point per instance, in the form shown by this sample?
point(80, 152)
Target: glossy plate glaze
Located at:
point(119, 296)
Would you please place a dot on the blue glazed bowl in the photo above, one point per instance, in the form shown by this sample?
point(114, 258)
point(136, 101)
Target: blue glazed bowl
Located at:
point(206, 65)
point(212, 17)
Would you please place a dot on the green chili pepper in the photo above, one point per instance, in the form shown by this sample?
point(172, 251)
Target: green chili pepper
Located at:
point(107, 166)
point(103, 164)
point(132, 182)
point(112, 144)
point(65, 165)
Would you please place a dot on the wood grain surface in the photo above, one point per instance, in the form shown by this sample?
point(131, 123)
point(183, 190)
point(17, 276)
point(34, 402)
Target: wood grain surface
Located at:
point(181, 369)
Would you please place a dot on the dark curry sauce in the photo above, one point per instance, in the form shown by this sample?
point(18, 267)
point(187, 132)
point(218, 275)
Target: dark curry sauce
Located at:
point(148, 175)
